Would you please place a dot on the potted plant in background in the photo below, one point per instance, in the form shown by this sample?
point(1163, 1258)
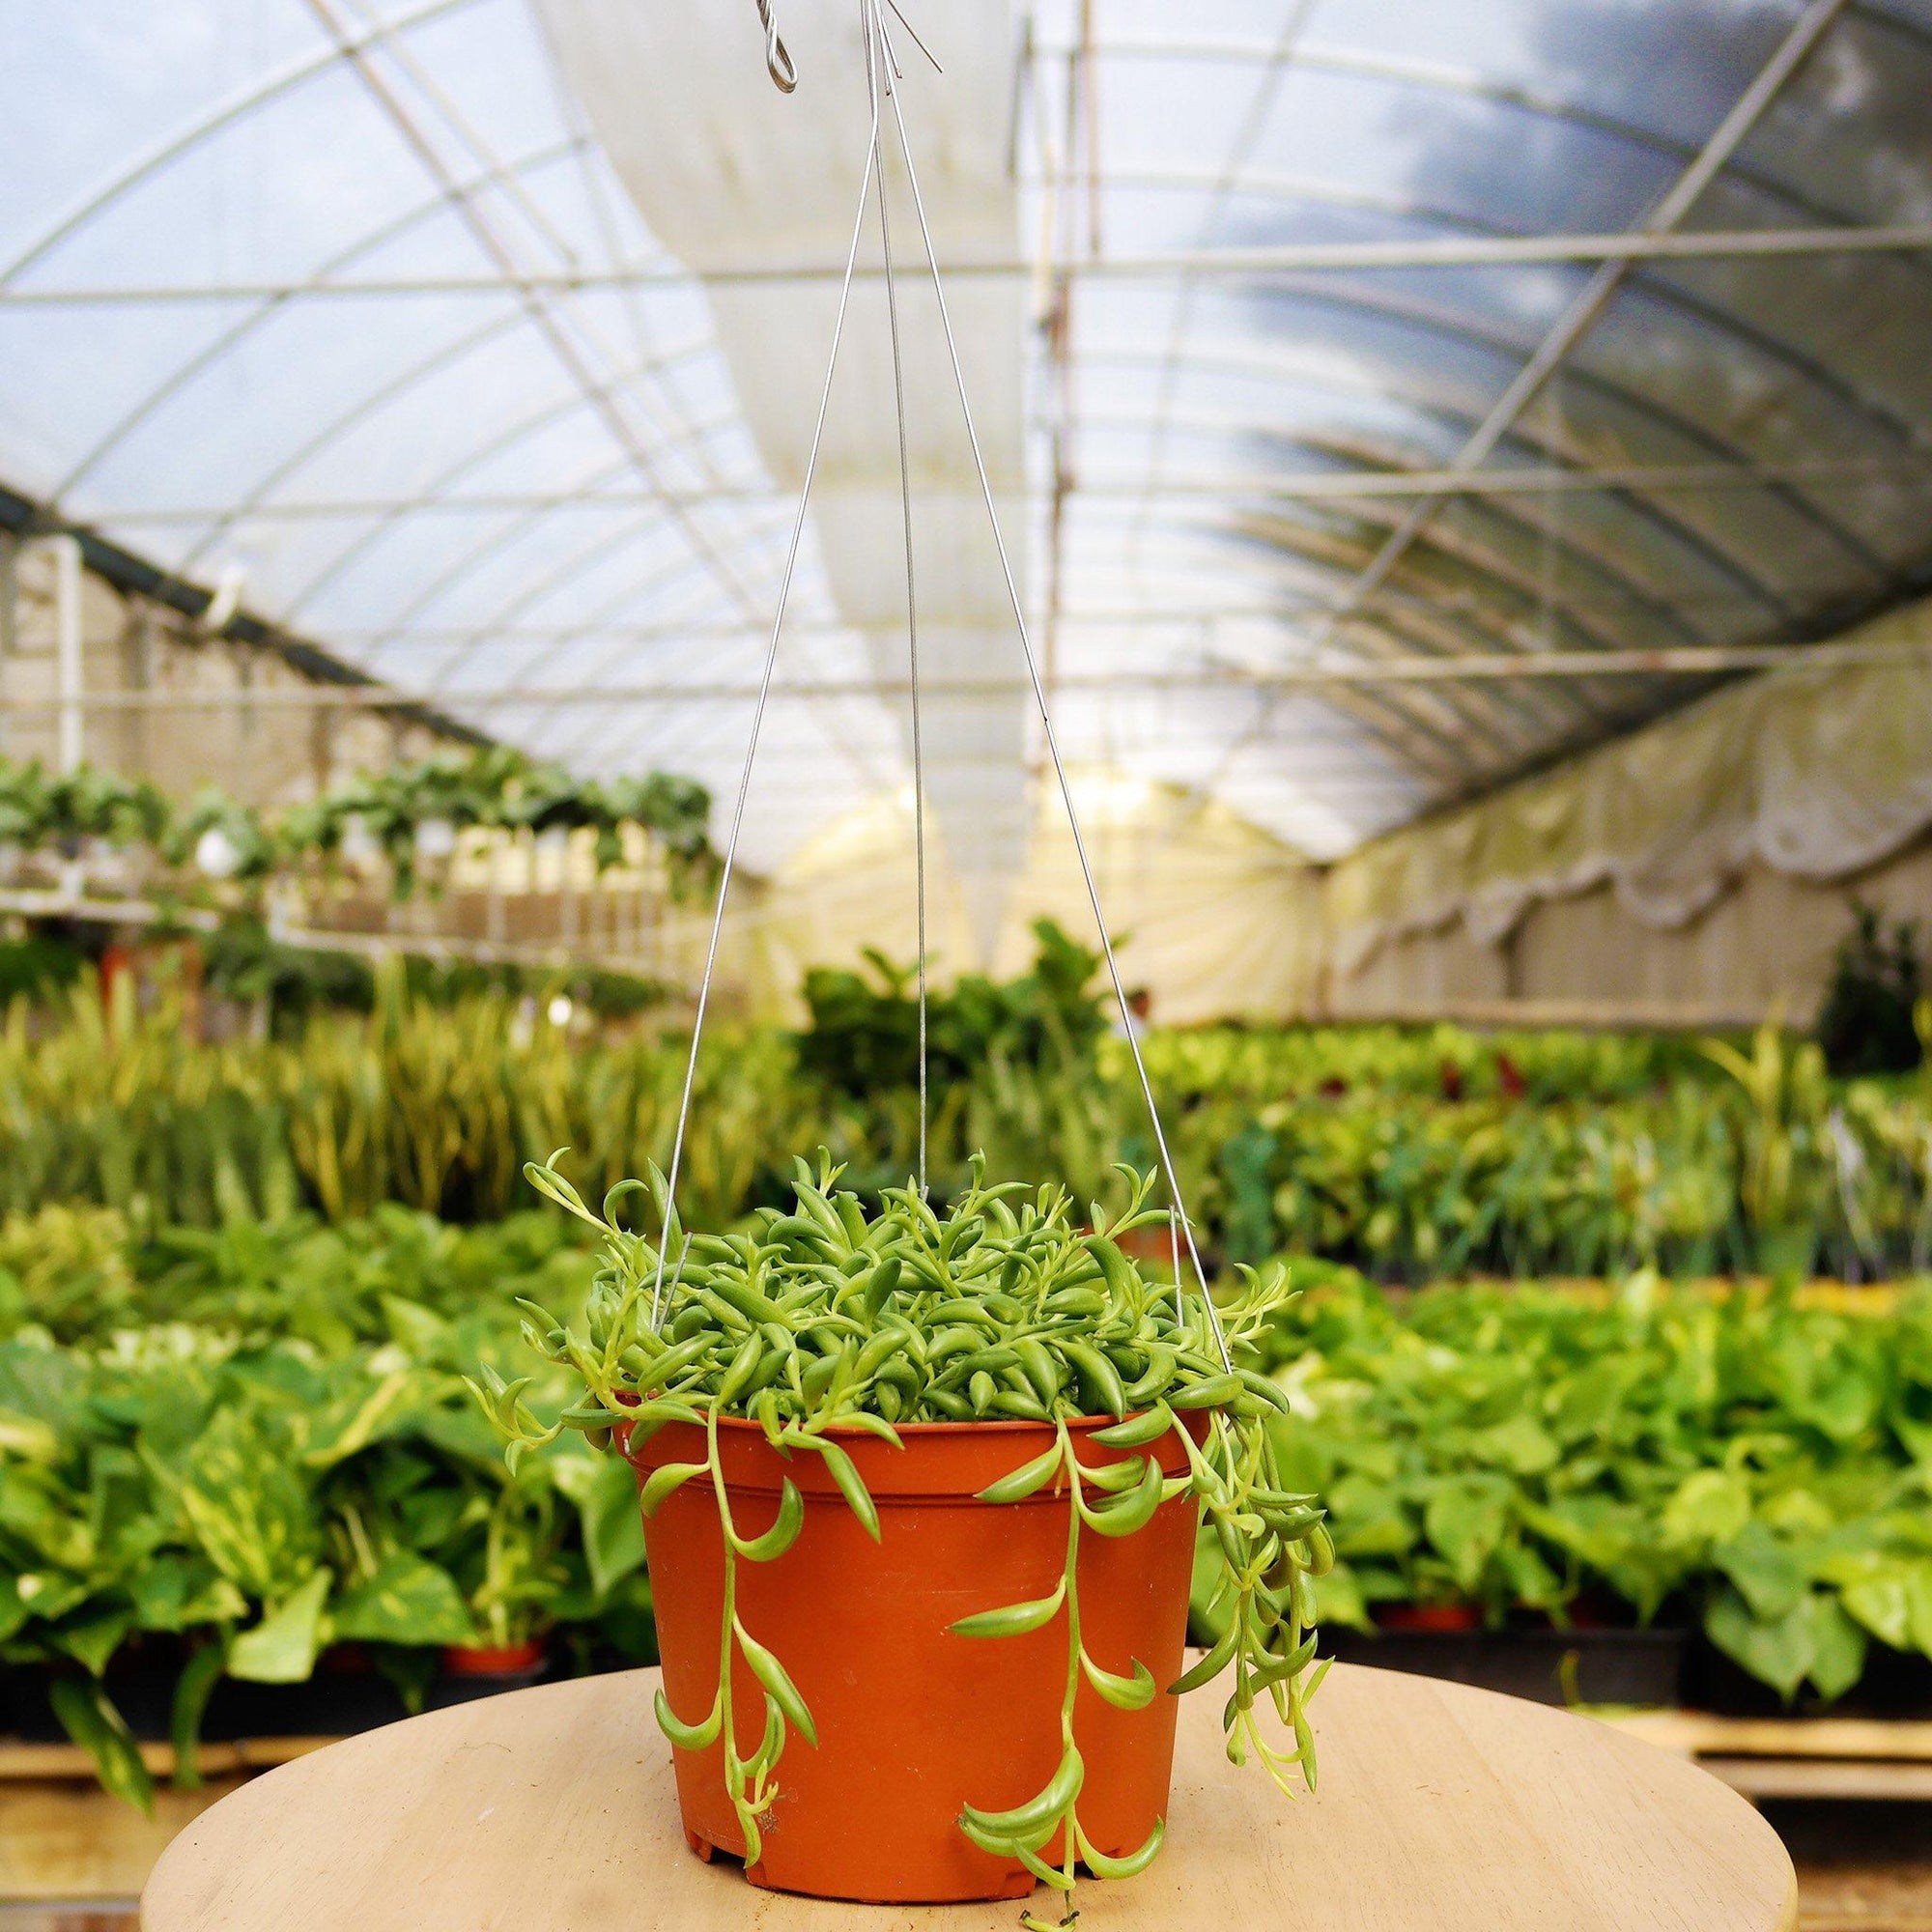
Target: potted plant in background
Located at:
point(921, 1495)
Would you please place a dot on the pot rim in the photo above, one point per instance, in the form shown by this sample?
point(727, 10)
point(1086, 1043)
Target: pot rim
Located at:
point(1009, 1425)
point(928, 1431)
point(936, 1461)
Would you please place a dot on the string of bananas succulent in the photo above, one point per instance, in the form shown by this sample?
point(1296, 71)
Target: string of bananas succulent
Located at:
point(829, 1319)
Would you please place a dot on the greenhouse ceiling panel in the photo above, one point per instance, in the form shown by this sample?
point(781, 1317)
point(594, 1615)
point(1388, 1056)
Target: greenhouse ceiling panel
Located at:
point(1331, 361)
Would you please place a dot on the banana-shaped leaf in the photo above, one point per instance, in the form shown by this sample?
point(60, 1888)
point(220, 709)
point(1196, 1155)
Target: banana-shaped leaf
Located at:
point(1210, 1667)
point(1130, 1866)
point(1132, 1511)
point(1024, 1480)
point(781, 1535)
point(1124, 1693)
point(1015, 1619)
point(689, 1737)
point(1138, 1431)
point(778, 1687)
point(1033, 1823)
point(662, 1481)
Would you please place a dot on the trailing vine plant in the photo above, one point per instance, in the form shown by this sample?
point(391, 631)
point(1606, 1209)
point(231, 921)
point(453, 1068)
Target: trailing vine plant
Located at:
point(495, 789)
point(828, 1318)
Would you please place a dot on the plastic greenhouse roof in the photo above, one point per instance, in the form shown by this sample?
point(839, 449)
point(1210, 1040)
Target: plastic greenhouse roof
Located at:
point(345, 293)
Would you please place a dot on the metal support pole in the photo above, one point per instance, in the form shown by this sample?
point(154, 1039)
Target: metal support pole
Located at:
point(70, 672)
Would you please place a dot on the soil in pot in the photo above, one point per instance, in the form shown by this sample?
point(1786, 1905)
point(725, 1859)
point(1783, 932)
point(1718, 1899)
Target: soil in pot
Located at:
point(914, 1720)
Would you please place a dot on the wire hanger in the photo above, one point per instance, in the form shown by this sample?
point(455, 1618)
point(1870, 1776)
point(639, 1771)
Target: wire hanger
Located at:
point(880, 63)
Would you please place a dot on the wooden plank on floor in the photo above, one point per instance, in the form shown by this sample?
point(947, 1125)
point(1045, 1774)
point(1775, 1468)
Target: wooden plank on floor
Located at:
point(1761, 1777)
point(67, 1840)
point(1699, 1734)
point(40, 1763)
point(88, 1914)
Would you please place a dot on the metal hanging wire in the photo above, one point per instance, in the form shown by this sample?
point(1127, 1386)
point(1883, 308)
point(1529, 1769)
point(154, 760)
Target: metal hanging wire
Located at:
point(878, 75)
point(879, 62)
point(763, 700)
point(777, 61)
point(1046, 716)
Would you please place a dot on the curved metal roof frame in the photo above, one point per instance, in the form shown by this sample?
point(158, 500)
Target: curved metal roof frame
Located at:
point(639, 524)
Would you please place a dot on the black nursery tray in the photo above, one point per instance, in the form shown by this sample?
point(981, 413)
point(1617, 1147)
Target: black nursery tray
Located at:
point(1549, 1666)
point(332, 1704)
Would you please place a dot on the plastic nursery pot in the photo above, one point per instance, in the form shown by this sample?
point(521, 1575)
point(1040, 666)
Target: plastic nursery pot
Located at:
point(913, 1720)
point(494, 1660)
point(1439, 1617)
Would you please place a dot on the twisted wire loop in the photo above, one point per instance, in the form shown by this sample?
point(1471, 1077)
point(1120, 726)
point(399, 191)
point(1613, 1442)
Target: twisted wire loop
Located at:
point(778, 60)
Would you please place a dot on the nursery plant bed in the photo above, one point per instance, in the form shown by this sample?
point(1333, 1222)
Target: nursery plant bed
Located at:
point(1549, 1666)
point(1895, 1685)
point(323, 1706)
point(327, 1705)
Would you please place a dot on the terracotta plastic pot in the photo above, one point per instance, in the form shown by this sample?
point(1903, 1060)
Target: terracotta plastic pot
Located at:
point(1428, 1617)
point(913, 1722)
point(494, 1660)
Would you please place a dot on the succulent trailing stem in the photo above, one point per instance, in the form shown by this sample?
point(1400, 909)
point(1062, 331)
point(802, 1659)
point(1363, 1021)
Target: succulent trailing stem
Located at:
point(827, 1318)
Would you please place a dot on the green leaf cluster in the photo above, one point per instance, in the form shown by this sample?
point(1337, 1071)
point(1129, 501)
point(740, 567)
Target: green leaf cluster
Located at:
point(234, 1449)
point(864, 1033)
point(1755, 1460)
point(492, 789)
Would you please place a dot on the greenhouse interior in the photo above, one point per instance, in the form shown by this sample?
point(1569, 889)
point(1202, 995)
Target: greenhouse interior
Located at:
point(874, 873)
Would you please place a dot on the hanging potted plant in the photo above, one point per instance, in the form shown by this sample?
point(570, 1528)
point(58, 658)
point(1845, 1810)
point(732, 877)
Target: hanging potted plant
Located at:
point(920, 1496)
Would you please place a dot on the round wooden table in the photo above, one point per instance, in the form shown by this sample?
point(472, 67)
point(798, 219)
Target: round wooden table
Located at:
point(552, 1810)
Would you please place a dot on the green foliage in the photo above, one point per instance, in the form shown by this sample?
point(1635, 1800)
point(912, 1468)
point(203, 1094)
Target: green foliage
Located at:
point(40, 964)
point(1755, 1460)
point(1866, 1023)
point(494, 789)
point(828, 1318)
point(243, 960)
point(239, 1447)
point(498, 789)
point(1748, 1159)
point(863, 1034)
point(1439, 1061)
point(38, 808)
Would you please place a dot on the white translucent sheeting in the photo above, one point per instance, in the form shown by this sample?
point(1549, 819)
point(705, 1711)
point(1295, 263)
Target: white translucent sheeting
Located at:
point(348, 293)
point(1817, 770)
point(760, 179)
point(1210, 912)
point(560, 489)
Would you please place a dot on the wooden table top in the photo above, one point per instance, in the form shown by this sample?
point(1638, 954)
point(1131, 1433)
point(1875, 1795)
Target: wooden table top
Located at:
point(552, 1809)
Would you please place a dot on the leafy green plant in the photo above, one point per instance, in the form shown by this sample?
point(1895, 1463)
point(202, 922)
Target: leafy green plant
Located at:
point(251, 1444)
point(829, 1318)
point(494, 789)
point(1749, 1460)
point(498, 789)
point(38, 808)
point(436, 1098)
point(1865, 1021)
point(864, 1036)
